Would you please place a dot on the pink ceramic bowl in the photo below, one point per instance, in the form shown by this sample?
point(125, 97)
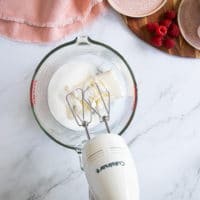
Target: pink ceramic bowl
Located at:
point(189, 22)
point(137, 8)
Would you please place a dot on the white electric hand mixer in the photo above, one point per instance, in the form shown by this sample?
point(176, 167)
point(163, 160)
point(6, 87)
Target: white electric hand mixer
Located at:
point(107, 162)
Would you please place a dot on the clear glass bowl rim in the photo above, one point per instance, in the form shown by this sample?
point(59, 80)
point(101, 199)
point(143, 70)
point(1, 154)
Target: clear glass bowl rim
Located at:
point(82, 42)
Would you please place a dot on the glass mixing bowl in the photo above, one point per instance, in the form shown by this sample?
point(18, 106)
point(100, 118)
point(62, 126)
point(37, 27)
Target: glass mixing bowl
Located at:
point(103, 58)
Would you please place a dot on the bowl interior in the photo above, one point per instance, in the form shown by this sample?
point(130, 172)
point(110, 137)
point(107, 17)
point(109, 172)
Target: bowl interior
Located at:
point(103, 58)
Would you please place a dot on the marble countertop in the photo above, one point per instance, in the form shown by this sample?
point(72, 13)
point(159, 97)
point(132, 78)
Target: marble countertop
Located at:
point(164, 136)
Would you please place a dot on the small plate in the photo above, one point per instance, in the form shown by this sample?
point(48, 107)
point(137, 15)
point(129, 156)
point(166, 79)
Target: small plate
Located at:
point(189, 21)
point(137, 8)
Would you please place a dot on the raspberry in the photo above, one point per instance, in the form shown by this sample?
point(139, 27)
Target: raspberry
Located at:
point(173, 30)
point(169, 43)
point(166, 22)
point(152, 26)
point(161, 31)
point(170, 14)
point(157, 41)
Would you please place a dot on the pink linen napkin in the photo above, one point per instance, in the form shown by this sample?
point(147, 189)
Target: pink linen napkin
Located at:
point(45, 20)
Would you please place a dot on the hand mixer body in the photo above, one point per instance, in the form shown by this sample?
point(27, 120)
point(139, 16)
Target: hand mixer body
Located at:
point(110, 169)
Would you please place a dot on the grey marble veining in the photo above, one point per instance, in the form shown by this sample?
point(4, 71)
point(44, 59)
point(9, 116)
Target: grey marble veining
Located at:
point(164, 136)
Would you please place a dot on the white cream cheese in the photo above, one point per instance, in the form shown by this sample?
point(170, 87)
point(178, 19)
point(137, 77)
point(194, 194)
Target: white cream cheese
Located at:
point(71, 76)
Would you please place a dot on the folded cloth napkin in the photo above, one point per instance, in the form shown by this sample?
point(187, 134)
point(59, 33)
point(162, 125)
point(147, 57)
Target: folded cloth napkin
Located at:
point(45, 20)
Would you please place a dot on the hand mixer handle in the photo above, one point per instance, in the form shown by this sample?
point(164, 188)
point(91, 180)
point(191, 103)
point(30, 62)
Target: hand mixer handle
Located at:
point(110, 169)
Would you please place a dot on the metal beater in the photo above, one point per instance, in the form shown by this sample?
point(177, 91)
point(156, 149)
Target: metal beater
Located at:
point(95, 99)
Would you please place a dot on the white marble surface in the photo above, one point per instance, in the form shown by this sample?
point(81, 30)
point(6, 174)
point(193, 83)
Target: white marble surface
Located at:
point(164, 136)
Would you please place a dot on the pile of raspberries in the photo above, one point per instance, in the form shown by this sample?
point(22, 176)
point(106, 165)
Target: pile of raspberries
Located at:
point(164, 32)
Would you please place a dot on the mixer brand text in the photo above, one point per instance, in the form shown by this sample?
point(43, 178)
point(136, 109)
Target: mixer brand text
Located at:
point(109, 165)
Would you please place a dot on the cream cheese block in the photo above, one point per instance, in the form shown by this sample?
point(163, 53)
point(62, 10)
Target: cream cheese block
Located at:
point(71, 76)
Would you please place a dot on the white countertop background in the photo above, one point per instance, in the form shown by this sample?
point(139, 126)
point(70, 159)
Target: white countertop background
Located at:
point(164, 136)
